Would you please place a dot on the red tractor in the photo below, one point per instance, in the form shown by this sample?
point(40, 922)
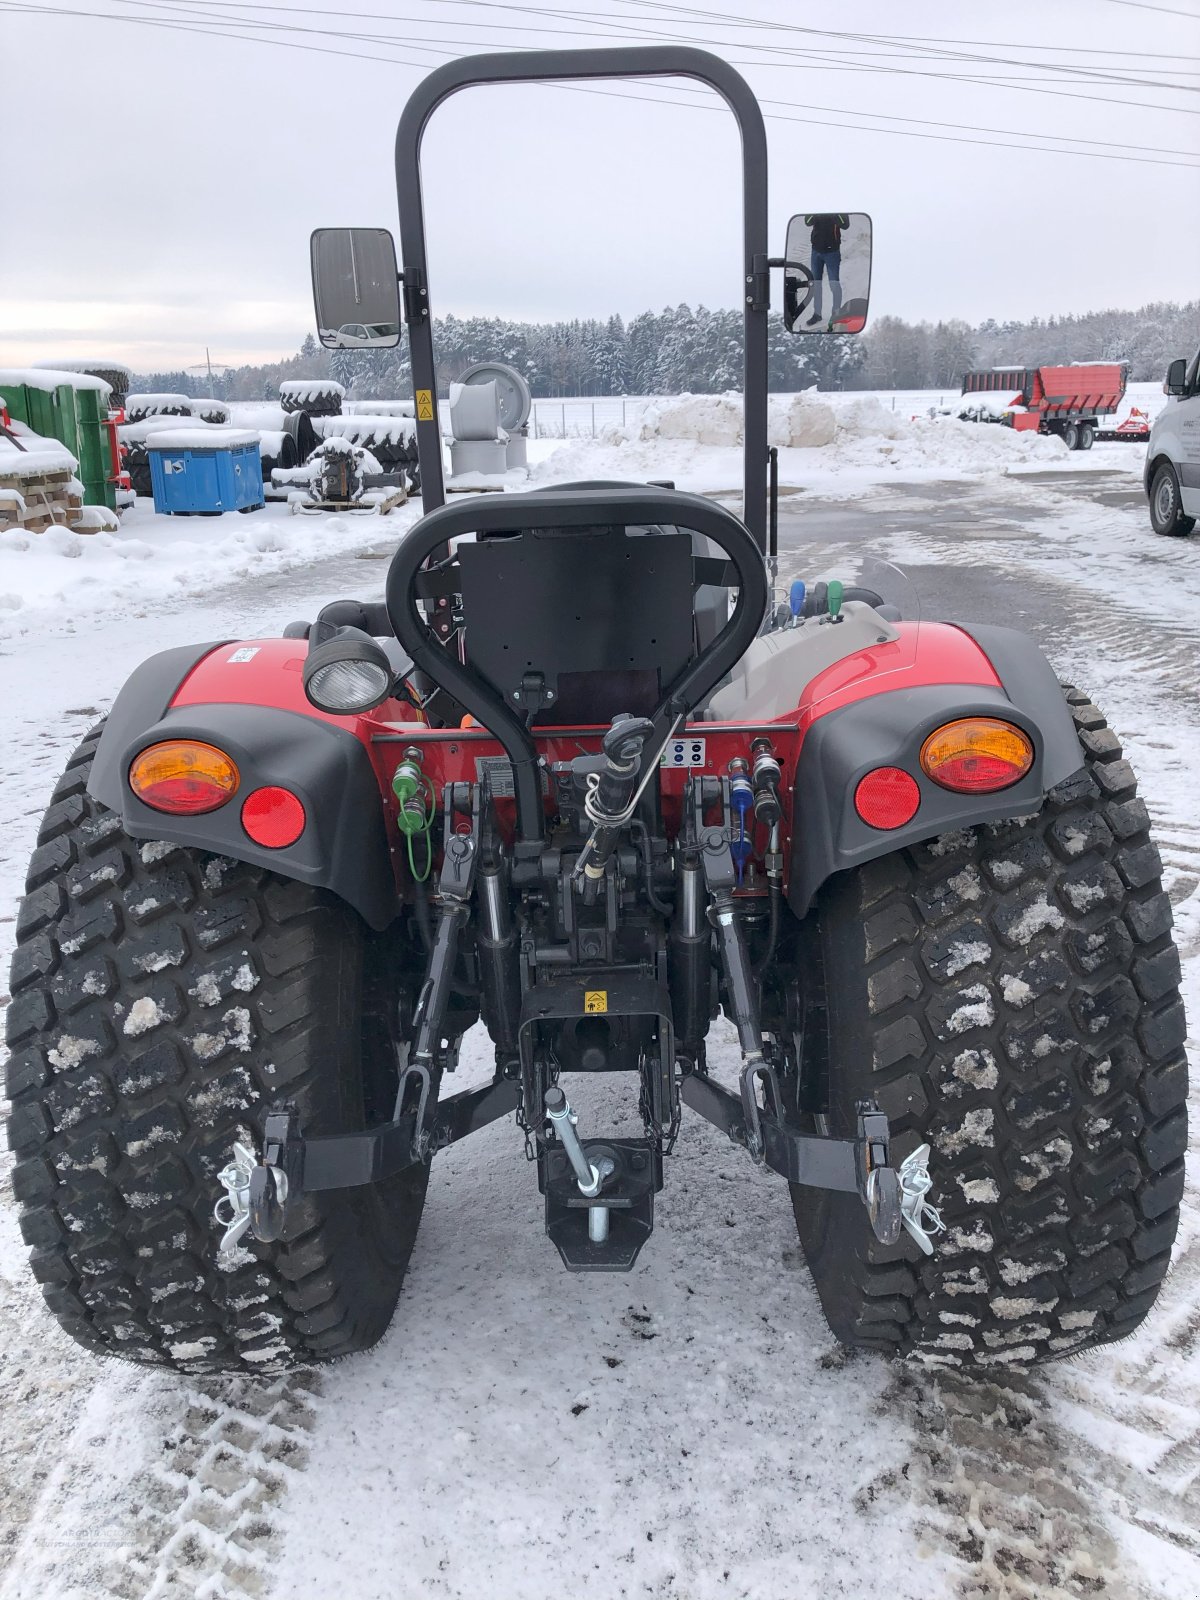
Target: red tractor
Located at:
point(580, 779)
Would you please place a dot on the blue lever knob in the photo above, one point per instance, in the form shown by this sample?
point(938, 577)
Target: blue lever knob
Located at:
point(796, 598)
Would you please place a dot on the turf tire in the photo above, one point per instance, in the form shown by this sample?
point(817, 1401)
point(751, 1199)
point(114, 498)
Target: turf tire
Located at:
point(162, 1000)
point(1009, 994)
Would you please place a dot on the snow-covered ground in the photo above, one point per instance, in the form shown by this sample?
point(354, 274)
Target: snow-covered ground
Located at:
point(64, 580)
point(689, 1431)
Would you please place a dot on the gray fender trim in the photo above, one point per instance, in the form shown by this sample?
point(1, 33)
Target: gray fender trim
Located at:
point(888, 729)
point(1032, 685)
point(344, 846)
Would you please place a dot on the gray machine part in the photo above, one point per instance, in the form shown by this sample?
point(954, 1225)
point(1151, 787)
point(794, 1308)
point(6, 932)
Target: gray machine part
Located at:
point(514, 402)
point(477, 455)
point(475, 412)
point(512, 391)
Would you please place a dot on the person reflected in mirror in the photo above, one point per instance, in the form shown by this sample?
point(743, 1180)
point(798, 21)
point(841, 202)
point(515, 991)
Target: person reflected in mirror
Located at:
point(825, 237)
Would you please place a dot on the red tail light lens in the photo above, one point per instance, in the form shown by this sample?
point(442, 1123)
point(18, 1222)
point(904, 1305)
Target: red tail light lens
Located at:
point(183, 776)
point(273, 817)
point(887, 797)
point(977, 755)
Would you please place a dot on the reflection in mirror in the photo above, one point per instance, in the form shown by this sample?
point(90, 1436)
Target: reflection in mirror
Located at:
point(827, 272)
point(355, 288)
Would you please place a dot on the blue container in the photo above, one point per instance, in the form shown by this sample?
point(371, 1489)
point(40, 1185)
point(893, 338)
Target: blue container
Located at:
point(192, 474)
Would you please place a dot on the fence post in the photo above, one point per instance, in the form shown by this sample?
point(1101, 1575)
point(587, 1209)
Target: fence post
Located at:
point(564, 419)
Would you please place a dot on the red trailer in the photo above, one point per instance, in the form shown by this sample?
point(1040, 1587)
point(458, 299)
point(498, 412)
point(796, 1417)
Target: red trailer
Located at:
point(1065, 400)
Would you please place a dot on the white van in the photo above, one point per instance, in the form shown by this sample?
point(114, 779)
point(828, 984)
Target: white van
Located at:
point(1173, 455)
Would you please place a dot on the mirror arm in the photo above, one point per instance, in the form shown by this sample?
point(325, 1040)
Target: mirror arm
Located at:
point(416, 297)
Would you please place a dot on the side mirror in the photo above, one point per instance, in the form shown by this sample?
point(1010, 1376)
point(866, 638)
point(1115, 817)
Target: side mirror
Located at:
point(355, 288)
point(1175, 381)
point(827, 272)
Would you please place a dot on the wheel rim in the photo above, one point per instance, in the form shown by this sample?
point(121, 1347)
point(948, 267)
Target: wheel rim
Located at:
point(1164, 501)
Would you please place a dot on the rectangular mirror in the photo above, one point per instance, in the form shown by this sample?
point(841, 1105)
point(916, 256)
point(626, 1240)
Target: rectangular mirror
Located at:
point(355, 288)
point(1176, 379)
point(827, 272)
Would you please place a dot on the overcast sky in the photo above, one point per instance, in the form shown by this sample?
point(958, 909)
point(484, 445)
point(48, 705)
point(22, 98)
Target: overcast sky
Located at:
point(159, 185)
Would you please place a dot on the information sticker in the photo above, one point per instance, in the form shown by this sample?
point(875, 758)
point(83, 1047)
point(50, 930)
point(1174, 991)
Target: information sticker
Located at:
point(683, 753)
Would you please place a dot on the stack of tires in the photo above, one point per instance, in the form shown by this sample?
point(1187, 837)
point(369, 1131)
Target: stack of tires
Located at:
point(320, 397)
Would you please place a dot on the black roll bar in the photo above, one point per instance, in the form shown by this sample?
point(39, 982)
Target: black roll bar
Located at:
point(651, 61)
point(563, 510)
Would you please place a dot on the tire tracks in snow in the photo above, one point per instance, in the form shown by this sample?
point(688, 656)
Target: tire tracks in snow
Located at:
point(200, 1517)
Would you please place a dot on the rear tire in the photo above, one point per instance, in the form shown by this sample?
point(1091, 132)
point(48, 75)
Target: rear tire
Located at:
point(162, 1000)
point(1166, 504)
point(1087, 435)
point(1070, 436)
point(1010, 995)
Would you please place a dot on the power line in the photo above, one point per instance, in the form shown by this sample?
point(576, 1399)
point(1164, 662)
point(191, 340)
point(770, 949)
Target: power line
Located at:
point(691, 38)
point(1167, 11)
point(622, 29)
point(797, 28)
point(207, 30)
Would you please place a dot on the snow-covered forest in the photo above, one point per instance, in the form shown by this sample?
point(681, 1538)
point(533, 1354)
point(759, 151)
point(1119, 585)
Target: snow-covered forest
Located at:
point(680, 350)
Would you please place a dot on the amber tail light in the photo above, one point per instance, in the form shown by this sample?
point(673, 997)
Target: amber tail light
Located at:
point(977, 755)
point(183, 776)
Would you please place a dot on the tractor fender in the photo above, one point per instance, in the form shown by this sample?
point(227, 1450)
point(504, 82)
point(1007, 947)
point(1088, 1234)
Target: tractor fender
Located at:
point(888, 727)
point(344, 845)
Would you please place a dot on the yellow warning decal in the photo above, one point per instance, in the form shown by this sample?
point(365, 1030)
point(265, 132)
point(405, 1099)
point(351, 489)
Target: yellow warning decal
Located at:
point(424, 405)
point(595, 1000)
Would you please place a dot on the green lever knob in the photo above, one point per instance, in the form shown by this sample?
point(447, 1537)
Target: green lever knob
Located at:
point(834, 599)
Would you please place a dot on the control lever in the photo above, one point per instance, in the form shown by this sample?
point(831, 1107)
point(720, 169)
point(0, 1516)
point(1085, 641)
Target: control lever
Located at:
point(611, 796)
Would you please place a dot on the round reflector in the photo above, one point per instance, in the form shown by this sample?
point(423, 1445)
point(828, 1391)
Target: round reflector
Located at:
point(887, 797)
point(977, 755)
point(273, 817)
point(183, 776)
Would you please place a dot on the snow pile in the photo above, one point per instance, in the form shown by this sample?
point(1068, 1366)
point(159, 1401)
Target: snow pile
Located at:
point(207, 436)
point(57, 582)
point(50, 378)
point(800, 421)
point(267, 414)
point(706, 418)
point(826, 441)
point(26, 454)
point(306, 390)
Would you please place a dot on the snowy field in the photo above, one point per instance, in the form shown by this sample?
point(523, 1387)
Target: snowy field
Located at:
point(689, 1431)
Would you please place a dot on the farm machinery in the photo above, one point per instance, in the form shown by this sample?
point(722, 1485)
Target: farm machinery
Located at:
point(582, 779)
point(1072, 402)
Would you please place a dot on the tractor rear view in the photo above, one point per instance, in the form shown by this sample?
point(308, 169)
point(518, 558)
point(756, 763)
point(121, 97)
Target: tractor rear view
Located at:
point(581, 777)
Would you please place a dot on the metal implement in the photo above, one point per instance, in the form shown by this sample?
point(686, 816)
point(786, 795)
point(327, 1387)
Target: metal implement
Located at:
point(591, 1179)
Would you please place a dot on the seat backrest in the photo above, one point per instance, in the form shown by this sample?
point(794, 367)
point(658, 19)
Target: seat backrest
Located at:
point(578, 626)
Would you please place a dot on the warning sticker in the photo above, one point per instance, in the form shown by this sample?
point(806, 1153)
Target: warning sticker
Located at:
point(424, 405)
point(246, 653)
point(595, 1000)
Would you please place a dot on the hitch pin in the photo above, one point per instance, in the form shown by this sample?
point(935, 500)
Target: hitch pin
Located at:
point(589, 1178)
